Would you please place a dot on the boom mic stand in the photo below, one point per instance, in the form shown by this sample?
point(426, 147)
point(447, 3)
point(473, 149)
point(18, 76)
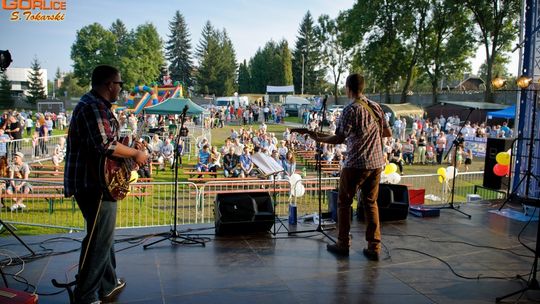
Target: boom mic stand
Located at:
point(173, 235)
point(454, 157)
point(319, 178)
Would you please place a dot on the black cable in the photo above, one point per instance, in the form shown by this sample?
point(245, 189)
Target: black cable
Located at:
point(454, 272)
point(523, 229)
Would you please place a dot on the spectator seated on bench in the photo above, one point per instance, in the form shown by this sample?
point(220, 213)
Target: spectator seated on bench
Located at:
point(204, 159)
point(231, 164)
point(19, 170)
point(166, 153)
point(246, 163)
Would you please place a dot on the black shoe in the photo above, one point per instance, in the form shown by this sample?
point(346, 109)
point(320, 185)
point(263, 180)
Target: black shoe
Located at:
point(113, 294)
point(338, 250)
point(371, 255)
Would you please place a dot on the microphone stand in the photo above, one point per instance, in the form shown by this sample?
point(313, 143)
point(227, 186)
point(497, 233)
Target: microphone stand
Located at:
point(454, 157)
point(173, 235)
point(319, 178)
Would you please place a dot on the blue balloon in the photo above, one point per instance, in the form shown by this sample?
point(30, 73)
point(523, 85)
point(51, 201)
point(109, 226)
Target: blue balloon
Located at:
point(154, 101)
point(146, 88)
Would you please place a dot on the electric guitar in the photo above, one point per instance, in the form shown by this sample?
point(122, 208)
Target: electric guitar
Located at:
point(118, 172)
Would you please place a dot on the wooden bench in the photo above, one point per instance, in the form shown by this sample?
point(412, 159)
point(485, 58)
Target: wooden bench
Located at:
point(38, 166)
point(221, 179)
point(39, 173)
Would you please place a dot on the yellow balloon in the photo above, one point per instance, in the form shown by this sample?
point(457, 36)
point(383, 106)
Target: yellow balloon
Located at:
point(390, 168)
point(134, 177)
point(503, 158)
point(441, 172)
point(441, 179)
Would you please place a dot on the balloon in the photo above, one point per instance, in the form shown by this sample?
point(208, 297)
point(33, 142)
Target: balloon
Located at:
point(394, 178)
point(441, 179)
point(450, 172)
point(501, 170)
point(134, 177)
point(441, 172)
point(299, 190)
point(384, 178)
point(294, 178)
point(503, 158)
point(390, 168)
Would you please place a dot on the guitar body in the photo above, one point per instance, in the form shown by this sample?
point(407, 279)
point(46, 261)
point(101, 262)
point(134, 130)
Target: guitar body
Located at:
point(117, 174)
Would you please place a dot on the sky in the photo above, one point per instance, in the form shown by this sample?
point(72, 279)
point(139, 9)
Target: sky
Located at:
point(249, 23)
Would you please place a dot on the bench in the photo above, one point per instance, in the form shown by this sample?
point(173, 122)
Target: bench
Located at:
point(212, 179)
point(38, 166)
point(39, 173)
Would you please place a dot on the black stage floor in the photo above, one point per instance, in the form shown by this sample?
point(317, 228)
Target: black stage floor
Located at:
point(281, 269)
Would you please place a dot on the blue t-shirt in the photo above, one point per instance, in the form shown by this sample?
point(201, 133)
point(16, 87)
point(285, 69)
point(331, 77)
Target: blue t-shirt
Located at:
point(204, 157)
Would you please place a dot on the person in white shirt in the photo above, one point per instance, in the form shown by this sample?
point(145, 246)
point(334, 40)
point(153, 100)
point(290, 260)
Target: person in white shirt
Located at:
point(166, 153)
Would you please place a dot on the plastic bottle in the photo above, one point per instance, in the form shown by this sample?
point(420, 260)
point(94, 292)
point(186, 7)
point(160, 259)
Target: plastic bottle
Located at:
point(304, 172)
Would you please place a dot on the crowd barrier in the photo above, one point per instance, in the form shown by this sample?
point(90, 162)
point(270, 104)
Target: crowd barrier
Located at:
point(151, 204)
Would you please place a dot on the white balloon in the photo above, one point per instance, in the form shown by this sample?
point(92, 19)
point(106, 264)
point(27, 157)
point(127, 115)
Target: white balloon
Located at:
point(299, 190)
point(384, 178)
point(394, 178)
point(450, 172)
point(294, 178)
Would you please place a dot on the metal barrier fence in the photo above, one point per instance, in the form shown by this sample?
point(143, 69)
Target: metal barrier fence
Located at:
point(39, 149)
point(152, 204)
point(147, 205)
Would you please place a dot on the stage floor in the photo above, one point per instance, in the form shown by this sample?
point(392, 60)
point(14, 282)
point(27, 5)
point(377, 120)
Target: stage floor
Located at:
point(267, 269)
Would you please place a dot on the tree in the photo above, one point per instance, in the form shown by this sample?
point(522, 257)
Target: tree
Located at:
point(144, 56)
point(335, 55)
point(36, 88)
point(244, 78)
point(498, 25)
point(271, 65)
point(178, 51)
point(6, 99)
point(70, 87)
point(306, 58)
point(93, 46)
point(378, 28)
point(216, 73)
point(447, 41)
point(285, 59)
point(498, 68)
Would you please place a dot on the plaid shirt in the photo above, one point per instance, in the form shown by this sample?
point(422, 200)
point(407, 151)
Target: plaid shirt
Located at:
point(362, 135)
point(92, 136)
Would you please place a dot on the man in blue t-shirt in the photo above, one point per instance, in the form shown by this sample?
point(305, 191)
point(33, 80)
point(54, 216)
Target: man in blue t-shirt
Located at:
point(204, 158)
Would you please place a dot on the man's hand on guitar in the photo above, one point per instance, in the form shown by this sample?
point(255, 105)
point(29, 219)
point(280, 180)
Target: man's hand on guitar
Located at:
point(141, 158)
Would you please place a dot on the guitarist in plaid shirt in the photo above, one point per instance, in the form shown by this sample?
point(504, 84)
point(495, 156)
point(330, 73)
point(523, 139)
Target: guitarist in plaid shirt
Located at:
point(93, 136)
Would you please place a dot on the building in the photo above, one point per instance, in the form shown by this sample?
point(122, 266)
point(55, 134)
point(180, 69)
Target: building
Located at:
point(20, 82)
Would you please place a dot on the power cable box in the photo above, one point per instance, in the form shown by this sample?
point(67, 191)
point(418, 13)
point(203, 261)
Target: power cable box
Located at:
point(421, 211)
point(12, 296)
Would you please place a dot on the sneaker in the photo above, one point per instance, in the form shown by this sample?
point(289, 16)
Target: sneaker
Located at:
point(111, 296)
point(338, 250)
point(370, 254)
point(14, 207)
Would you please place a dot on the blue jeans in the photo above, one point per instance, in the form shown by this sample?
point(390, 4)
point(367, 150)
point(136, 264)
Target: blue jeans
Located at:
point(97, 272)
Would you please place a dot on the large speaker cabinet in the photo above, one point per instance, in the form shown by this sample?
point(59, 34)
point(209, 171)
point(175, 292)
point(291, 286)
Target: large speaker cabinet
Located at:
point(393, 203)
point(243, 213)
point(494, 146)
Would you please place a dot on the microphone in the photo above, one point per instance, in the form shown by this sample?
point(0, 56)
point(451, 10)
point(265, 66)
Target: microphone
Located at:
point(325, 99)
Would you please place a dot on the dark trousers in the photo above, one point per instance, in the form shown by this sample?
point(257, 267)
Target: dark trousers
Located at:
point(350, 181)
point(97, 262)
point(440, 153)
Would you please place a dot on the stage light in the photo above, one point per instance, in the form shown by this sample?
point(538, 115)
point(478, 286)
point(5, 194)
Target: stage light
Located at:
point(498, 82)
point(524, 81)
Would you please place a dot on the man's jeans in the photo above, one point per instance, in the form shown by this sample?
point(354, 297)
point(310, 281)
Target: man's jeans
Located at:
point(351, 180)
point(97, 269)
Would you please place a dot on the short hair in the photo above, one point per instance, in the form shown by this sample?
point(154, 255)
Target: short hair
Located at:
point(103, 74)
point(356, 83)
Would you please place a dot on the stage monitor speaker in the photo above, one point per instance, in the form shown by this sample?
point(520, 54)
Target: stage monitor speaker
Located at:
point(243, 213)
point(493, 147)
point(393, 203)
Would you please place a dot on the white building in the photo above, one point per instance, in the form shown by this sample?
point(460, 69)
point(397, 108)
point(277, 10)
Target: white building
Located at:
point(20, 80)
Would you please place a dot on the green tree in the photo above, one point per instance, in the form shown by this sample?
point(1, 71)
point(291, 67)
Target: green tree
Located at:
point(378, 29)
point(121, 34)
point(498, 68)
point(498, 24)
point(178, 51)
point(70, 87)
point(335, 54)
point(216, 73)
point(208, 54)
point(306, 58)
point(447, 41)
point(93, 46)
point(36, 88)
point(285, 59)
point(6, 99)
point(144, 56)
point(244, 78)
point(271, 65)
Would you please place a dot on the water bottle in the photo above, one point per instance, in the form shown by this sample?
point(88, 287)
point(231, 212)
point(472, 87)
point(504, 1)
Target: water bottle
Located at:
point(304, 172)
point(292, 214)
